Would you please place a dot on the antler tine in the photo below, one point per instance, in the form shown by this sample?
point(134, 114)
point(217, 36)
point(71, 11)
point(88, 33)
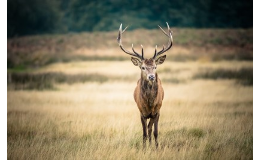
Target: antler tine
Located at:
point(169, 34)
point(142, 51)
point(155, 52)
point(119, 35)
point(168, 26)
point(163, 31)
point(136, 52)
point(124, 29)
point(119, 40)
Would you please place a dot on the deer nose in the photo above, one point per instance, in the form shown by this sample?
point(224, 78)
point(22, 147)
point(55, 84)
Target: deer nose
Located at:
point(151, 77)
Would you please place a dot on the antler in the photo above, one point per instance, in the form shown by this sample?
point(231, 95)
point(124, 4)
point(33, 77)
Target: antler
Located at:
point(169, 34)
point(119, 40)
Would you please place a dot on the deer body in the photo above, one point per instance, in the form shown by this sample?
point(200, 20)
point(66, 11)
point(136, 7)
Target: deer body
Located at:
point(149, 93)
point(148, 97)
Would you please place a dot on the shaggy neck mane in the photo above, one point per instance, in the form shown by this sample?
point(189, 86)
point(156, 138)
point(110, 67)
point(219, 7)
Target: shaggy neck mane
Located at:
point(149, 90)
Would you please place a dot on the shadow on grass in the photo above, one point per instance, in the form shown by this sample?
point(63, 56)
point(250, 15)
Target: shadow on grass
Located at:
point(243, 76)
point(43, 81)
point(24, 80)
point(25, 61)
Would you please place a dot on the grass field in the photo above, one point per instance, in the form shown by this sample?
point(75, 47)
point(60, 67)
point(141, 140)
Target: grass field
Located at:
point(84, 109)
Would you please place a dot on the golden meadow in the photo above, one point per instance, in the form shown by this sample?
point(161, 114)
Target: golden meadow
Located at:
point(71, 96)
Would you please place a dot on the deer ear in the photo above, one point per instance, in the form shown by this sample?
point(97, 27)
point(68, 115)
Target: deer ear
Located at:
point(160, 60)
point(136, 61)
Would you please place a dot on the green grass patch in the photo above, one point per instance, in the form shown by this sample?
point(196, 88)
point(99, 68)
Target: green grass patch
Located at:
point(196, 132)
point(191, 132)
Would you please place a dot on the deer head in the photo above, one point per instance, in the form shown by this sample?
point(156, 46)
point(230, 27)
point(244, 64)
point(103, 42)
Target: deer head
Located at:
point(147, 66)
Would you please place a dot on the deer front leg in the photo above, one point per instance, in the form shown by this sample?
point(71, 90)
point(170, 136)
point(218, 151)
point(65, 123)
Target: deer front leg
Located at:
point(155, 133)
point(144, 124)
point(150, 126)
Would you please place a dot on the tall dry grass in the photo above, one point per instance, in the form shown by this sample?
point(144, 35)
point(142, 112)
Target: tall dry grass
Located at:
point(71, 96)
point(200, 118)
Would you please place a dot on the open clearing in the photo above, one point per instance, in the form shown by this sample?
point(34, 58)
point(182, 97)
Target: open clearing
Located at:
point(71, 96)
point(200, 118)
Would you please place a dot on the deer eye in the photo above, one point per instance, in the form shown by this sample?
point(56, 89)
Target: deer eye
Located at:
point(154, 67)
point(143, 68)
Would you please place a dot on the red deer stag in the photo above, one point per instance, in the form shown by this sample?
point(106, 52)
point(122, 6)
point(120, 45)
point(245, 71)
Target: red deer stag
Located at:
point(149, 93)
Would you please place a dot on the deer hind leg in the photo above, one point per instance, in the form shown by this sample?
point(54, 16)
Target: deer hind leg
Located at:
point(144, 124)
point(150, 126)
point(155, 133)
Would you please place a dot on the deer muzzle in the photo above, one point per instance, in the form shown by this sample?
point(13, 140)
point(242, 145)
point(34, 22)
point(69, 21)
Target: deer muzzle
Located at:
point(151, 77)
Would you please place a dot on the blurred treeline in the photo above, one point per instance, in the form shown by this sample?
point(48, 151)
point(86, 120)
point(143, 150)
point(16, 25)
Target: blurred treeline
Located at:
point(27, 17)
